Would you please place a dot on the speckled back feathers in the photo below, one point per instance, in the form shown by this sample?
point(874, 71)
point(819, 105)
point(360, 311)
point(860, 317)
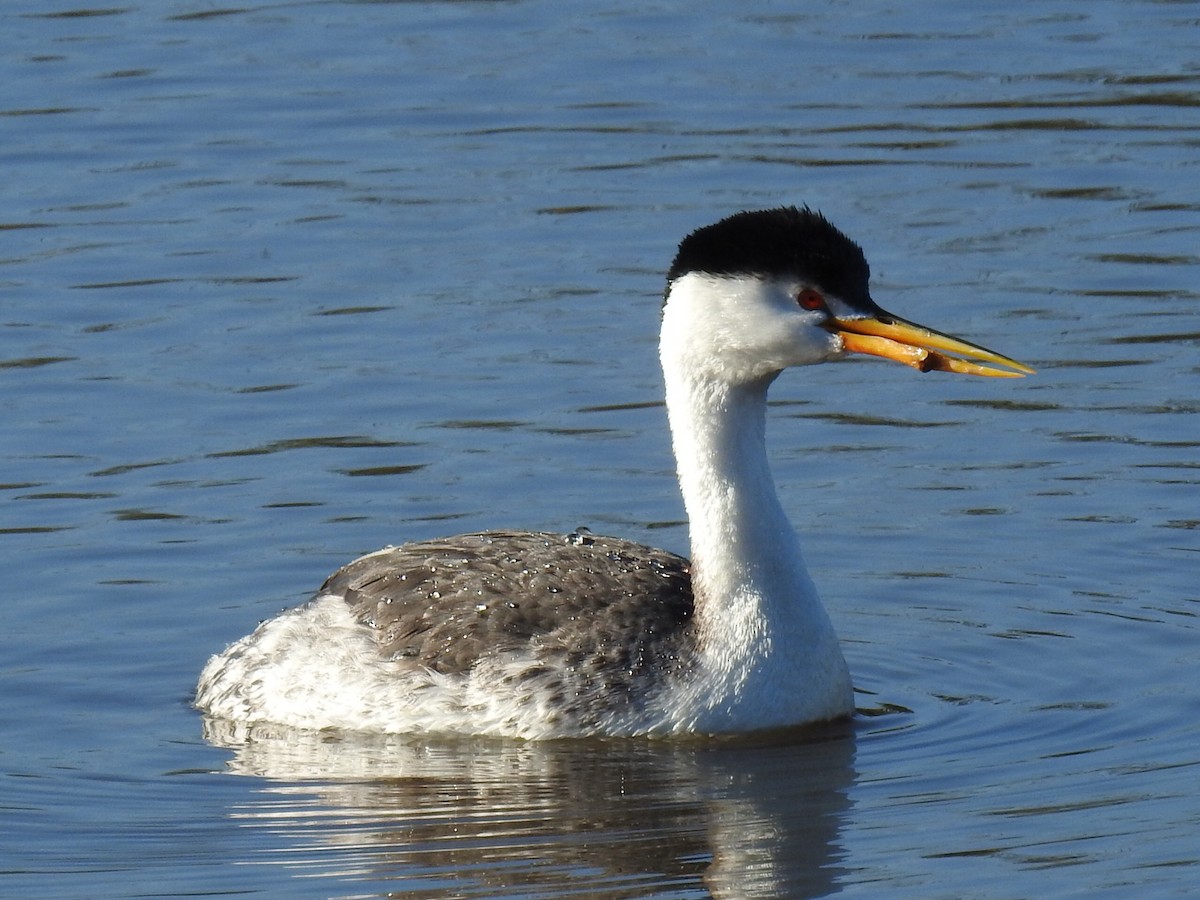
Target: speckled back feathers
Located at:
point(614, 605)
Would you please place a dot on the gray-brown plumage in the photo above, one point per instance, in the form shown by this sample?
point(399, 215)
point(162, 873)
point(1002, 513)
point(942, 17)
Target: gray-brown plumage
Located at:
point(596, 608)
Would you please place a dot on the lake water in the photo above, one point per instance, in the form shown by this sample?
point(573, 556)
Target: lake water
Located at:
point(282, 284)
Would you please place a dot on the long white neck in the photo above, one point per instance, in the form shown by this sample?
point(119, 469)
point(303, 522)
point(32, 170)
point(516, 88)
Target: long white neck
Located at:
point(764, 636)
point(748, 572)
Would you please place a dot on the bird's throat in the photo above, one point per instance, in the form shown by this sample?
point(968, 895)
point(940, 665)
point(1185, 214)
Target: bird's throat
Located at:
point(746, 558)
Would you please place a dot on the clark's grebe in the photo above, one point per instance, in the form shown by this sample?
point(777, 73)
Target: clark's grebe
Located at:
point(539, 635)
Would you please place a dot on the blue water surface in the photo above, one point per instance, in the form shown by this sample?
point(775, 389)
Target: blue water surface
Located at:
point(281, 284)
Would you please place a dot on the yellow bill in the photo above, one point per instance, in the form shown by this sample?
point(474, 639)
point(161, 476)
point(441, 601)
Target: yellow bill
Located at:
point(920, 347)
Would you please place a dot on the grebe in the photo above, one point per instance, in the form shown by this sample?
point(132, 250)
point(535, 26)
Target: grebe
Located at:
point(539, 635)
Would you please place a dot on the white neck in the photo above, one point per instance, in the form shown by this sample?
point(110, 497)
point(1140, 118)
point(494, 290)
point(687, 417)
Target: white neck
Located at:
point(748, 571)
point(765, 639)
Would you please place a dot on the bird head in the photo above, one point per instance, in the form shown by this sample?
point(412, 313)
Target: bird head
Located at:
point(763, 290)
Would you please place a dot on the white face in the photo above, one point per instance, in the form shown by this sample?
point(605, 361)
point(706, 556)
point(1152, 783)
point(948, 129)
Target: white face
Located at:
point(741, 329)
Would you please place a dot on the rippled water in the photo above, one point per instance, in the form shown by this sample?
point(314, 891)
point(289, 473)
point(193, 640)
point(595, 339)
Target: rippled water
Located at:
point(282, 284)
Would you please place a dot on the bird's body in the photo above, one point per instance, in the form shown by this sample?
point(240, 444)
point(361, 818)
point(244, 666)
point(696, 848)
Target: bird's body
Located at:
point(539, 635)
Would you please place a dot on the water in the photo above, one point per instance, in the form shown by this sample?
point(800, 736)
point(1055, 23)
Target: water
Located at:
point(282, 284)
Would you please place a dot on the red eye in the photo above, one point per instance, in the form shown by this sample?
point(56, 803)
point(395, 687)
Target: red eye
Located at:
point(811, 299)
